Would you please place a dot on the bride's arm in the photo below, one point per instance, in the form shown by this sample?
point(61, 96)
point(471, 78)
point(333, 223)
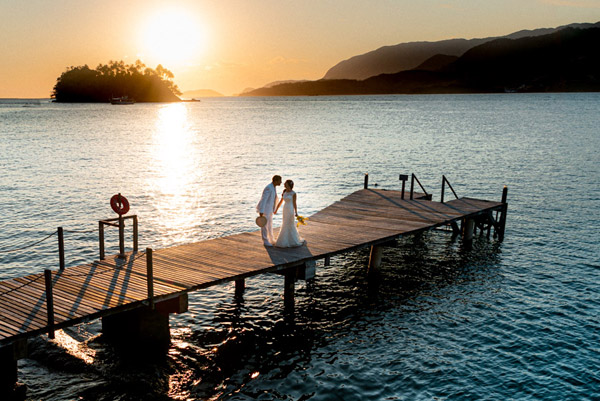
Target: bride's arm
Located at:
point(295, 207)
point(279, 204)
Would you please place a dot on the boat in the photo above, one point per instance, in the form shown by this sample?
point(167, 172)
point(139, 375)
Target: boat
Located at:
point(121, 100)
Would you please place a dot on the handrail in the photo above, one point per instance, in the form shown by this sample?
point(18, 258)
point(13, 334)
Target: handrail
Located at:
point(412, 184)
point(445, 181)
point(121, 226)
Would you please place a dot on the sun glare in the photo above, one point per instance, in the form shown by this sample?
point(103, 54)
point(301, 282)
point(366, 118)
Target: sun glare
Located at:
point(172, 38)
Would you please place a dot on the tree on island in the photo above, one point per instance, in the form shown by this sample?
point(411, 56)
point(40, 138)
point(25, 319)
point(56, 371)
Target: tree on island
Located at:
point(116, 79)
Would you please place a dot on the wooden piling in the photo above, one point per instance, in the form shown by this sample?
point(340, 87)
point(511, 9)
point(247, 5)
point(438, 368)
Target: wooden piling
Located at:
point(61, 249)
point(121, 237)
point(468, 227)
point(375, 259)
point(289, 288)
point(503, 211)
point(327, 261)
point(150, 277)
point(101, 239)
point(135, 233)
point(366, 180)
point(240, 287)
point(403, 178)
point(49, 303)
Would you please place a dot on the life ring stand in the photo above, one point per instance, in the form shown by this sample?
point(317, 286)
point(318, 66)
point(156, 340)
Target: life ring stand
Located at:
point(119, 204)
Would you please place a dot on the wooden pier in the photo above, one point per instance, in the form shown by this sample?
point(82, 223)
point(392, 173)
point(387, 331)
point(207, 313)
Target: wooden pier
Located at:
point(134, 294)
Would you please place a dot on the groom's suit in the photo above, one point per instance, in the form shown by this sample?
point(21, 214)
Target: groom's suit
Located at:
point(266, 206)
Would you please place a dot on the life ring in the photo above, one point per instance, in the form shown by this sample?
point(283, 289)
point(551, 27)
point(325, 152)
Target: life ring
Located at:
point(119, 204)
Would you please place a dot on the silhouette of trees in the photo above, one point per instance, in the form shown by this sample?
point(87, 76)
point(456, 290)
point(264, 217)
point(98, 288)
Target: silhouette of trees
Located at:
point(116, 79)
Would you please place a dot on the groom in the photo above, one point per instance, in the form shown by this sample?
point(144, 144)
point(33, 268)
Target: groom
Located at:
point(266, 207)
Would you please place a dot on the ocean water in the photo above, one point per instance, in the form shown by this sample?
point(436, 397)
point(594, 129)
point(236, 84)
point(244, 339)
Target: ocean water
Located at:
point(516, 320)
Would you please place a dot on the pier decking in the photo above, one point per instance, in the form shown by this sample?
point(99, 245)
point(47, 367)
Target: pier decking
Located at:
point(368, 217)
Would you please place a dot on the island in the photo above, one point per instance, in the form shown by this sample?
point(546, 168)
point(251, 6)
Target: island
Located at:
point(116, 79)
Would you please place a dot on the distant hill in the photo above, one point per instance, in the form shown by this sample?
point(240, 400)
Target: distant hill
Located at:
point(566, 60)
point(200, 93)
point(407, 56)
point(272, 84)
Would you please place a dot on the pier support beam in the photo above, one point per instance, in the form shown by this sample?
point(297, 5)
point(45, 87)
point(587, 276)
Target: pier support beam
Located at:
point(502, 222)
point(289, 288)
point(10, 389)
point(468, 229)
point(240, 287)
point(143, 329)
point(375, 260)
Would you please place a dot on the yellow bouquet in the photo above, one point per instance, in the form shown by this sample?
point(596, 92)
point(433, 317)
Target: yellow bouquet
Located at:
point(301, 220)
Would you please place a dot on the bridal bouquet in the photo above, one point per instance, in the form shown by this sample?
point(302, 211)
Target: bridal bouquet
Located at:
point(301, 220)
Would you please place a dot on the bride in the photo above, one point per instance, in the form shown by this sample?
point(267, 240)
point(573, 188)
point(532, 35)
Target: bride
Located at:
point(288, 234)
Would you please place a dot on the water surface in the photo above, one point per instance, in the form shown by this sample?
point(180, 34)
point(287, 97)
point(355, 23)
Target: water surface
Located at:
point(516, 320)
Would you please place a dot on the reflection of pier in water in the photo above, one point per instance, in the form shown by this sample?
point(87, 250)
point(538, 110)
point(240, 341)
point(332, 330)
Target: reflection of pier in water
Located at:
point(135, 294)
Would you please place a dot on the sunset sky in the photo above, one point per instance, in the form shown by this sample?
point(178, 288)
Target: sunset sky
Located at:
point(229, 45)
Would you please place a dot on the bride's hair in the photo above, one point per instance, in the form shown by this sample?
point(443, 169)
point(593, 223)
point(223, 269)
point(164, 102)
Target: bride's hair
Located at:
point(290, 183)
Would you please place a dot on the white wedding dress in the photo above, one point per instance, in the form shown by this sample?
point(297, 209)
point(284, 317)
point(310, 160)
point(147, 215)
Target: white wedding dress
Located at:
point(288, 234)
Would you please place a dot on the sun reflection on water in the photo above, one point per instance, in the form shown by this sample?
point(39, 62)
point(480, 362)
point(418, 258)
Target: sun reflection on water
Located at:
point(176, 175)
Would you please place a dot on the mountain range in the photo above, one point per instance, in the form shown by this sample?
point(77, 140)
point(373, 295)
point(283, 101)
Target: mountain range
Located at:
point(557, 59)
point(407, 56)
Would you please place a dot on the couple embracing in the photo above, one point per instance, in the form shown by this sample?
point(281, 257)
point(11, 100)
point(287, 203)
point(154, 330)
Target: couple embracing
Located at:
point(268, 206)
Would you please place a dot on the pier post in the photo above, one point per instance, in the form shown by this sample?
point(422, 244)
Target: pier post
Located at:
point(327, 261)
point(468, 227)
point(502, 222)
point(375, 260)
point(240, 287)
point(10, 389)
point(101, 239)
point(403, 178)
point(61, 248)
point(150, 277)
point(121, 237)
point(366, 180)
point(49, 303)
point(289, 288)
point(135, 233)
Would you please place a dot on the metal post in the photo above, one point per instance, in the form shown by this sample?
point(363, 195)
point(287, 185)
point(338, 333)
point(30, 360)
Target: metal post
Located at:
point(150, 277)
point(61, 248)
point(49, 303)
point(135, 233)
point(121, 237)
point(101, 239)
point(366, 180)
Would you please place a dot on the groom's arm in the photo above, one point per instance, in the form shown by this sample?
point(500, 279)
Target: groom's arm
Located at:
point(263, 200)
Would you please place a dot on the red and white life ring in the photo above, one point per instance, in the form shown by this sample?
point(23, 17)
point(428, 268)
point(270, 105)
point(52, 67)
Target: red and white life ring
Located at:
point(119, 204)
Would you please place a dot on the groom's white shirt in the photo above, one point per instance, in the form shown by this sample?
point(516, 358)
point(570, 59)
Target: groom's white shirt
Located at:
point(268, 200)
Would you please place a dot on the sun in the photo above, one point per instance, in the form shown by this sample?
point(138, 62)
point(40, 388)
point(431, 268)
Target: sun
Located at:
point(172, 38)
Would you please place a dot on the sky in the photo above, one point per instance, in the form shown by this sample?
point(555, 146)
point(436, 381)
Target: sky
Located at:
point(231, 45)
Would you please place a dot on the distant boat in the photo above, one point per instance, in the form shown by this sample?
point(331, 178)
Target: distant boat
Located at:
point(121, 100)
